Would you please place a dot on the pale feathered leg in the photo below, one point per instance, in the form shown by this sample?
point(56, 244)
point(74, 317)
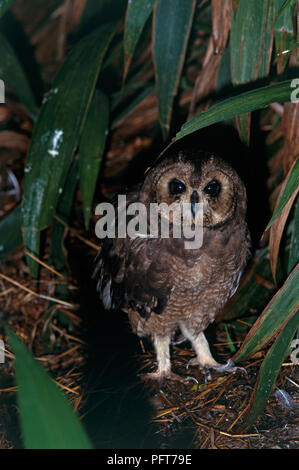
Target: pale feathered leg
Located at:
point(204, 357)
point(164, 371)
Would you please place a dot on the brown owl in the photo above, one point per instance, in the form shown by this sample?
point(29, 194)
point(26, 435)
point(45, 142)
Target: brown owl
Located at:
point(161, 283)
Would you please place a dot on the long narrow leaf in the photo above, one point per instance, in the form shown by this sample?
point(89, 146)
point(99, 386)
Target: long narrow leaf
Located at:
point(91, 149)
point(57, 132)
point(171, 29)
point(252, 24)
point(14, 77)
point(270, 369)
point(138, 12)
point(283, 34)
point(294, 244)
point(290, 188)
point(279, 311)
point(47, 419)
point(236, 105)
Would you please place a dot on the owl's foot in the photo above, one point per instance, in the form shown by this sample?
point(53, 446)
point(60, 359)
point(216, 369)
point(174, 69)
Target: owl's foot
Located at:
point(167, 376)
point(229, 367)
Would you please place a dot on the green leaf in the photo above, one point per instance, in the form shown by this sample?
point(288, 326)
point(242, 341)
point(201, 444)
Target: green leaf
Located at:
point(91, 149)
point(12, 73)
point(283, 34)
point(252, 24)
point(47, 419)
point(171, 30)
point(4, 5)
point(236, 105)
point(278, 312)
point(10, 232)
point(58, 232)
point(138, 12)
point(270, 369)
point(56, 134)
point(290, 188)
point(294, 244)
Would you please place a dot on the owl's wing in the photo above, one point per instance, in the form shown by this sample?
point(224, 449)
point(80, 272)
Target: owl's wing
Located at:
point(133, 273)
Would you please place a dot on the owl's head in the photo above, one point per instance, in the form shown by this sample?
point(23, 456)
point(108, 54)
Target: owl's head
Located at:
point(199, 177)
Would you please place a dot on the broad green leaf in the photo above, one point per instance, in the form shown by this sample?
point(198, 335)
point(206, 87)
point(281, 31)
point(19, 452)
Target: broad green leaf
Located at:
point(171, 30)
point(236, 105)
point(251, 24)
point(58, 231)
point(47, 418)
point(291, 186)
point(91, 149)
point(138, 12)
point(4, 5)
point(10, 232)
point(12, 73)
point(279, 310)
point(294, 243)
point(283, 34)
point(251, 40)
point(56, 134)
point(270, 369)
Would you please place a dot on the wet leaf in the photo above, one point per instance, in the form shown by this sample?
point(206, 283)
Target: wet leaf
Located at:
point(58, 252)
point(47, 419)
point(270, 369)
point(171, 30)
point(91, 149)
point(138, 12)
point(277, 313)
point(56, 134)
point(10, 232)
point(14, 77)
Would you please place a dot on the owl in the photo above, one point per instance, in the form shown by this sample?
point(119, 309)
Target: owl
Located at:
point(161, 283)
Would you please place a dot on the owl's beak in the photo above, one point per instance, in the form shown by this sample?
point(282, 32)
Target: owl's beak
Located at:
point(194, 200)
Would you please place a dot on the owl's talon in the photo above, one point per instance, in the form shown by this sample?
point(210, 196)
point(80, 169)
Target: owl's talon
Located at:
point(167, 376)
point(228, 367)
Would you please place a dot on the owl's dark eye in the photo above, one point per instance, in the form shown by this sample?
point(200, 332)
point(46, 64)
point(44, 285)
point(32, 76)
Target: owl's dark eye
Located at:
point(176, 187)
point(213, 188)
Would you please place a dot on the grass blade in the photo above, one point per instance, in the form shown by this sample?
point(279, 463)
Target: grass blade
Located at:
point(270, 369)
point(14, 76)
point(171, 29)
point(91, 149)
point(57, 132)
point(138, 12)
point(277, 313)
point(47, 419)
point(283, 34)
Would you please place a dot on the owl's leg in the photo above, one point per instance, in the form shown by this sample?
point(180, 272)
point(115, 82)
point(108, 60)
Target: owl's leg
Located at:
point(204, 357)
point(164, 371)
point(200, 345)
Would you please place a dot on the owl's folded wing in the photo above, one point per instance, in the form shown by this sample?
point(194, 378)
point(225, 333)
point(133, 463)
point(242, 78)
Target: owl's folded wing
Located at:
point(134, 273)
